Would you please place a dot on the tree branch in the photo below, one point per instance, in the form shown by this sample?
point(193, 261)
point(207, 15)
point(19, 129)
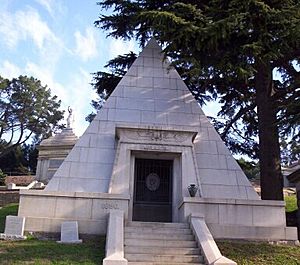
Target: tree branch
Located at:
point(288, 57)
point(237, 116)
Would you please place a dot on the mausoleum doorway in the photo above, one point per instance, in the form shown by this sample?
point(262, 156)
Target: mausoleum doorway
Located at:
point(152, 200)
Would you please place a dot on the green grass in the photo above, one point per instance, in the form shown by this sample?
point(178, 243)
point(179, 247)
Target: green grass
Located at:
point(291, 203)
point(10, 209)
point(38, 252)
point(252, 253)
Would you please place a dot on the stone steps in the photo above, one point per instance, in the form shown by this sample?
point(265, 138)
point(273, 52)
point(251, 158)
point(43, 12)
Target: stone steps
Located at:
point(159, 263)
point(152, 230)
point(164, 258)
point(157, 225)
point(160, 244)
point(160, 236)
point(159, 250)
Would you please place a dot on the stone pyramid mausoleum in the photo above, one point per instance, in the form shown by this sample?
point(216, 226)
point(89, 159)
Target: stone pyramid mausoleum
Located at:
point(145, 147)
point(151, 95)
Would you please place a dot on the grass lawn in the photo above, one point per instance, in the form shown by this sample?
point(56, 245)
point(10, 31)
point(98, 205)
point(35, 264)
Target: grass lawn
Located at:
point(245, 253)
point(35, 251)
point(291, 203)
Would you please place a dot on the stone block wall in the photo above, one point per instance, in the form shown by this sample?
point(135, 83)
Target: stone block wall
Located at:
point(240, 219)
point(45, 211)
point(7, 197)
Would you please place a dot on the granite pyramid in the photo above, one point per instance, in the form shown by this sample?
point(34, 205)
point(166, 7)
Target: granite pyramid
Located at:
point(151, 94)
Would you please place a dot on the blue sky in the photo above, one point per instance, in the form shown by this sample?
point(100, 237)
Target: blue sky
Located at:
point(56, 42)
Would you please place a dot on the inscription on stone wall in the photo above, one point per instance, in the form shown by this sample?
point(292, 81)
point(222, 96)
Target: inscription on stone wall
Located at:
point(154, 148)
point(109, 206)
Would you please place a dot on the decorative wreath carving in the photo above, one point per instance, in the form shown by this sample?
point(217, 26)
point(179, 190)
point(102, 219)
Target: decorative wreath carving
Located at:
point(152, 182)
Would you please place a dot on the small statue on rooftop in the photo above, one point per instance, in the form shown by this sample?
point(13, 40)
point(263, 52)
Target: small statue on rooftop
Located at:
point(69, 117)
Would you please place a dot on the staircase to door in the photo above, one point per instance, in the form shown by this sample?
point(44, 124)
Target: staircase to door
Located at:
point(149, 243)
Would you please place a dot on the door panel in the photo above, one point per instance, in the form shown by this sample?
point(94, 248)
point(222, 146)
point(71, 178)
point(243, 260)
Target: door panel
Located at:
point(153, 190)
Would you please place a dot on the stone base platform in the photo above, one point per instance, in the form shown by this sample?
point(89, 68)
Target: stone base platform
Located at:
point(240, 219)
point(45, 211)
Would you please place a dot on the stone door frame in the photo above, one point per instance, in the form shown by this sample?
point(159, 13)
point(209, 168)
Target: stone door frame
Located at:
point(155, 142)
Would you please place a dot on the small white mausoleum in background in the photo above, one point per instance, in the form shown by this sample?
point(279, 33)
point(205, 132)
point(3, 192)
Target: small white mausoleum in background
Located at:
point(52, 152)
point(148, 143)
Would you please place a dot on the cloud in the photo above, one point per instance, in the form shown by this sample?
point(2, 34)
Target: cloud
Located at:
point(86, 44)
point(80, 96)
point(46, 77)
point(9, 70)
point(54, 8)
point(119, 47)
point(48, 5)
point(9, 33)
point(44, 54)
point(25, 24)
point(77, 93)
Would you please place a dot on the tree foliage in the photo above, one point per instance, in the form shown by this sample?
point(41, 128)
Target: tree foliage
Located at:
point(231, 49)
point(2, 178)
point(21, 160)
point(250, 168)
point(290, 152)
point(27, 110)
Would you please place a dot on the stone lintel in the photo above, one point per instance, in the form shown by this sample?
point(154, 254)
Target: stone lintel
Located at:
point(155, 135)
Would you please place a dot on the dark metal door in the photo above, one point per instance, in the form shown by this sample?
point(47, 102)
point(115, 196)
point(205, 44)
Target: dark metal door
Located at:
point(152, 190)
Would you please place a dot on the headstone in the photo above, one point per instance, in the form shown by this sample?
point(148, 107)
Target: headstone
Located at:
point(69, 233)
point(11, 186)
point(14, 228)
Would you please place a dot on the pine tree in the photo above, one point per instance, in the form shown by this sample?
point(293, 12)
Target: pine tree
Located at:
point(245, 52)
point(27, 110)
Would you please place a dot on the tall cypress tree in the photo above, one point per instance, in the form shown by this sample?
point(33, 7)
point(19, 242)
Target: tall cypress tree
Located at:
point(246, 52)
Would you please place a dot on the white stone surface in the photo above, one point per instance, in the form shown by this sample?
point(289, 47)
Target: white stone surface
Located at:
point(11, 186)
point(207, 243)
point(69, 233)
point(97, 175)
point(115, 239)
point(14, 225)
point(242, 219)
point(150, 94)
point(45, 210)
point(52, 152)
point(161, 243)
point(12, 237)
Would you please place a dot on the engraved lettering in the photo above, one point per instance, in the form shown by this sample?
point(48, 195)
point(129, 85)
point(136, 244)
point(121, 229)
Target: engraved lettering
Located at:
point(110, 206)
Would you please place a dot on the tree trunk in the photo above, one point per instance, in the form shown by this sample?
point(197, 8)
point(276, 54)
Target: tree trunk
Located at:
point(271, 180)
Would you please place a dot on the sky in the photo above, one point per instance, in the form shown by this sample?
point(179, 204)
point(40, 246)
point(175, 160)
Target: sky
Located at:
point(56, 42)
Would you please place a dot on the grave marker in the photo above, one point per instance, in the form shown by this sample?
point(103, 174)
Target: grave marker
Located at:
point(69, 233)
point(14, 228)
